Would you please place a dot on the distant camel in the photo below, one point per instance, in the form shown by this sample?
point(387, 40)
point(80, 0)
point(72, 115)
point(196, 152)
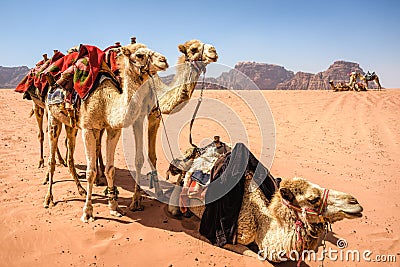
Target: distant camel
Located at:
point(339, 86)
point(370, 77)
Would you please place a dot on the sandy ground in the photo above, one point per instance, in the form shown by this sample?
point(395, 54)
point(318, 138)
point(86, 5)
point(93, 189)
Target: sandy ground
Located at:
point(346, 141)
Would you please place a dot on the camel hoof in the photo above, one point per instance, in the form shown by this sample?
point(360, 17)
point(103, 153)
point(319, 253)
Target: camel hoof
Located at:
point(81, 191)
point(62, 162)
point(136, 207)
point(48, 201)
point(41, 164)
point(115, 213)
point(45, 179)
point(86, 218)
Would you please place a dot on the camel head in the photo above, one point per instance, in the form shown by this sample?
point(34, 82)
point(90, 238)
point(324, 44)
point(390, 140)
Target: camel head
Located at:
point(143, 60)
point(317, 203)
point(195, 50)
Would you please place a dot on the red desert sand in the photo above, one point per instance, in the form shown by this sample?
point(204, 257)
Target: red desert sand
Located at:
point(346, 141)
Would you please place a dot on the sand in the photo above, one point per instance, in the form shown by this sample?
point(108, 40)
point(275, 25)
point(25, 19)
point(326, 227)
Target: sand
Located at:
point(345, 141)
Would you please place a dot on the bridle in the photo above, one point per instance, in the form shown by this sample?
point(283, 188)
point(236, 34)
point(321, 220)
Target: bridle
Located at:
point(311, 212)
point(306, 211)
point(197, 63)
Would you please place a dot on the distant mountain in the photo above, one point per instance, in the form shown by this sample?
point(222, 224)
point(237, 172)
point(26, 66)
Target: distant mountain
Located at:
point(11, 76)
point(245, 75)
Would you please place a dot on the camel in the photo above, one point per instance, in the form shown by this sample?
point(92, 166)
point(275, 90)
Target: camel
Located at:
point(172, 98)
point(294, 219)
point(370, 77)
point(38, 109)
point(339, 87)
point(107, 108)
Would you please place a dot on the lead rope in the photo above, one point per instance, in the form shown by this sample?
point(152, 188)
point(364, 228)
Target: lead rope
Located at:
point(327, 228)
point(200, 99)
point(162, 120)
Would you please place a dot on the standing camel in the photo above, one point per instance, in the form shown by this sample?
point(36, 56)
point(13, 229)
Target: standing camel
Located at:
point(172, 98)
point(107, 108)
point(370, 77)
point(33, 91)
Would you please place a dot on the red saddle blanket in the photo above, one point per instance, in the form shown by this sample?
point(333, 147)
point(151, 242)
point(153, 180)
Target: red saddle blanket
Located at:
point(81, 68)
point(75, 71)
point(34, 76)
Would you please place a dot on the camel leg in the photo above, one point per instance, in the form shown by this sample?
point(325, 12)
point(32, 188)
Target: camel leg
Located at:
point(111, 144)
point(136, 203)
point(99, 163)
point(378, 84)
point(154, 124)
point(60, 159)
point(71, 141)
point(39, 112)
point(89, 137)
point(54, 132)
point(241, 249)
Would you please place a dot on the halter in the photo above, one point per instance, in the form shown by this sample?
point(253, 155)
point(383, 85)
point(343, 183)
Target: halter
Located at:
point(306, 211)
point(143, 68)
point(197, 63)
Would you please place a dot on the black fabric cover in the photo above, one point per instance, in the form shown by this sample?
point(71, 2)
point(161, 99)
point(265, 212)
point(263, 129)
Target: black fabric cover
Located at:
point(219, 220)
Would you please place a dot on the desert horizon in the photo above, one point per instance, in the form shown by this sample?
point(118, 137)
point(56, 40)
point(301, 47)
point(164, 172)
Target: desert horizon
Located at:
point(347, 141)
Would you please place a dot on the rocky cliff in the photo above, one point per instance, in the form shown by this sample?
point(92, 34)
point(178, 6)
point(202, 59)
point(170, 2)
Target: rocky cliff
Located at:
point(245, 75)
point(267, 76)
point(11, 76)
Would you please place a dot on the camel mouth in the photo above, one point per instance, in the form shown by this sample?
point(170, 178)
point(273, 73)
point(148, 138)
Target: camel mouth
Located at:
point(212, 59)
point(351, 215)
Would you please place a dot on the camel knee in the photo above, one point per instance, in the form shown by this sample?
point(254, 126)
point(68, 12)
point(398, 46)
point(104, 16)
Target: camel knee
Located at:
point(139, 161)
point(109, 171)
point(90, 175)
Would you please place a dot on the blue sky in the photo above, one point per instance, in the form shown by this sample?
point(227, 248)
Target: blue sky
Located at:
point(299, 35)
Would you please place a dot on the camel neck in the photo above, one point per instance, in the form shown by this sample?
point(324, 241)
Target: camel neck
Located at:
point(174, 97)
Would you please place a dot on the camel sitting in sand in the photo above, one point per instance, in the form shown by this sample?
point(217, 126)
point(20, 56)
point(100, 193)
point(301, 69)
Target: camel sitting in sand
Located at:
point(294, 219)
point(368, 77)
point(339, 87)
point(107, 108)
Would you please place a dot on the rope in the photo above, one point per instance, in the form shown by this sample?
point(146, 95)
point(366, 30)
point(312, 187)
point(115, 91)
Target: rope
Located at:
point(196, 110)
point(162, 120)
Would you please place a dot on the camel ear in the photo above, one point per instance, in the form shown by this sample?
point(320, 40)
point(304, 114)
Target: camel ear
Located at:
point(182, 49)
point(125, 51)
point(286, 194)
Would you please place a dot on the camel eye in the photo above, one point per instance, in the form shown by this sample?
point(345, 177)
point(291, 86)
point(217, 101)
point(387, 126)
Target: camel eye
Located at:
point(194, 49)
point(314, 200)
point(140, 56)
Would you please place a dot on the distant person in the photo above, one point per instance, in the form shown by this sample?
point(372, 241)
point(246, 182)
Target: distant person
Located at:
point(133, 40)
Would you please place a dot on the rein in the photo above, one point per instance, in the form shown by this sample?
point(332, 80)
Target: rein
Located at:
point(202, 68)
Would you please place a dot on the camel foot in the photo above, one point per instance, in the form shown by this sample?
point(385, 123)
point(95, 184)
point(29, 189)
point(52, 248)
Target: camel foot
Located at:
point(41, 164)
point(114, 209)
point(45, 179)
point(81, 191)
point(87, 214)
point(136, 206)
point(62, 162)
point(48, 201)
